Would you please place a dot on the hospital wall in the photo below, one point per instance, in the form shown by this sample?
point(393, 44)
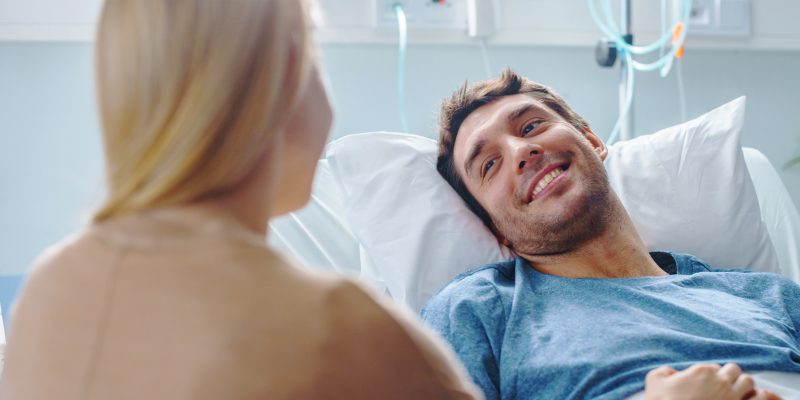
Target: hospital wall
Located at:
point(51, 159)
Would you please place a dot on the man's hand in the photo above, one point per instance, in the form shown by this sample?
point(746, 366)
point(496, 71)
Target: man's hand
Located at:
point(703, 381)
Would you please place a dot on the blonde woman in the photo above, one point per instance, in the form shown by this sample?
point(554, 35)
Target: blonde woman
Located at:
point(213, 117)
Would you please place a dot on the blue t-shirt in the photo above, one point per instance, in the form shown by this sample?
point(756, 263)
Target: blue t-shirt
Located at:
point(523, 334)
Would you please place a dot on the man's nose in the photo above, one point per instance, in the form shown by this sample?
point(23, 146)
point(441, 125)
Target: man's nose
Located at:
point(525, 153)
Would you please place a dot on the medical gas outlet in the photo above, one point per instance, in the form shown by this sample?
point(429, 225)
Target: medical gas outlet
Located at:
point(433, 14)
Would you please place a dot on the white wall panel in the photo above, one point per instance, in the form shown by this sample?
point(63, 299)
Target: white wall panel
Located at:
point(62, 20)
point(522, 22)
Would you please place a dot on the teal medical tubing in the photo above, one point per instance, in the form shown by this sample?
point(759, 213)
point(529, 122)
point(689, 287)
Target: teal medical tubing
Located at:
point(402, 30)
point(628, 100)
point(627, 50)
point(663, 25)
point(610, 29)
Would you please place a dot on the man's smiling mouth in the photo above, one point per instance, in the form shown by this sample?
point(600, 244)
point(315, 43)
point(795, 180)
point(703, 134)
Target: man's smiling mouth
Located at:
point(543, 181)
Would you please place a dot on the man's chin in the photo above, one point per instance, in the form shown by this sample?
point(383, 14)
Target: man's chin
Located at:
point(558, 226)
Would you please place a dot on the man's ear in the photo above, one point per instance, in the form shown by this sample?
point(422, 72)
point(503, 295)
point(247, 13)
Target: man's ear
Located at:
point(597, 143)
point(504, 242)
point(500, 238)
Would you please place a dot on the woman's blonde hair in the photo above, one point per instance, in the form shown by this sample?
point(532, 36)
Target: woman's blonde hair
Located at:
point(191, 92)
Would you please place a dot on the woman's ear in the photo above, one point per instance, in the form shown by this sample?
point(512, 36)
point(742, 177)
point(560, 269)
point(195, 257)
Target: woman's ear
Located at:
point(597, 143)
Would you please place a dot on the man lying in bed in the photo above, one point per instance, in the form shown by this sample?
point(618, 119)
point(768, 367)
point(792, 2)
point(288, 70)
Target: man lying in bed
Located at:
point(583, 311)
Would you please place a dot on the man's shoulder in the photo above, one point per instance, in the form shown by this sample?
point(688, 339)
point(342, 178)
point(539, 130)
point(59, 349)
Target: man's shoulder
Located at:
point(482, 285)
point(492, 274)
point(738, 277)
point(688, 264)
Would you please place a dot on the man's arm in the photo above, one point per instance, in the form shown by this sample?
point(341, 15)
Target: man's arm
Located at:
point(471, 317)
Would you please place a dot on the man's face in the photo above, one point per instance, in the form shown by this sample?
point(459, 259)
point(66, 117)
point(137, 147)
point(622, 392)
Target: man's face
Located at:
point(540, 179)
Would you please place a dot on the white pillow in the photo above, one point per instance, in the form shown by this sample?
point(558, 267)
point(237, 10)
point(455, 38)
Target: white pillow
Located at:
point(686, 187)
point(416, 232)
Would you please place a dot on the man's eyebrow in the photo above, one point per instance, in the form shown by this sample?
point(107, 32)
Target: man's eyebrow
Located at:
point(473, 154)
point(478, 148)
point(520, 111)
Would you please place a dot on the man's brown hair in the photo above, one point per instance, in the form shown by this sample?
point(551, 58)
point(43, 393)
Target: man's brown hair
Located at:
point(468, 99)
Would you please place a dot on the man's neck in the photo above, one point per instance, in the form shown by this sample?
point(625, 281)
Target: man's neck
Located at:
point(617, 253)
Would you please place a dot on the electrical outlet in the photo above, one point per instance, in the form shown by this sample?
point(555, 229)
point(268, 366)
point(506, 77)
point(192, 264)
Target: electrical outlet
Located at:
point(720, 18)
point(434, 14)
point(702, 13)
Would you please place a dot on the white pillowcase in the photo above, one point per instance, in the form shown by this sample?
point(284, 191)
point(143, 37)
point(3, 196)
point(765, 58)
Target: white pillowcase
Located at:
point(686, 187)
point(416, 232)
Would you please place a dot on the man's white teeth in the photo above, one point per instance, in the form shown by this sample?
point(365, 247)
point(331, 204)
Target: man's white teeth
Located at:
point(546, 180)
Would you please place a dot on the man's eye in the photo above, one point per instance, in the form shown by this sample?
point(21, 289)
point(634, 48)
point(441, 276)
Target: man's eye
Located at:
point(530, 127)
point(489, 164)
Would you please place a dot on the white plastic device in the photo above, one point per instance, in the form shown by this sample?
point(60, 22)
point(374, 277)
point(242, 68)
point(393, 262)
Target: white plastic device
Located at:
point(425, 14)
point(481, 18)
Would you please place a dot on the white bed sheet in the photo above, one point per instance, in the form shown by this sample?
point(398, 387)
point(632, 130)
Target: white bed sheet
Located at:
point(318, 234)
point(783, 384)
point(778, 212)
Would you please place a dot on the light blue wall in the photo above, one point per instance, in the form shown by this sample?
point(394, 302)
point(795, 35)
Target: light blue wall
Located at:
point(50, 157)
point(364, 89)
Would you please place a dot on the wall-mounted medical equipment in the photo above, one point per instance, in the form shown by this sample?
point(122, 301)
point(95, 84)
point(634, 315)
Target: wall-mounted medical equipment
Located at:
point(439, 14)
point(618, 45)
point(402, 40)
point(478, 17)
point(720, 18)
point(481, 18)
point(703, 17)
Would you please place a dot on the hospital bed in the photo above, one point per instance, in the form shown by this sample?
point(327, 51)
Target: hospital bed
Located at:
point(319, 234)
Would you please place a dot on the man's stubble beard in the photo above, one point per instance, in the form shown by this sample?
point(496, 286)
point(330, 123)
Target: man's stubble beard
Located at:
point(592, 217)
